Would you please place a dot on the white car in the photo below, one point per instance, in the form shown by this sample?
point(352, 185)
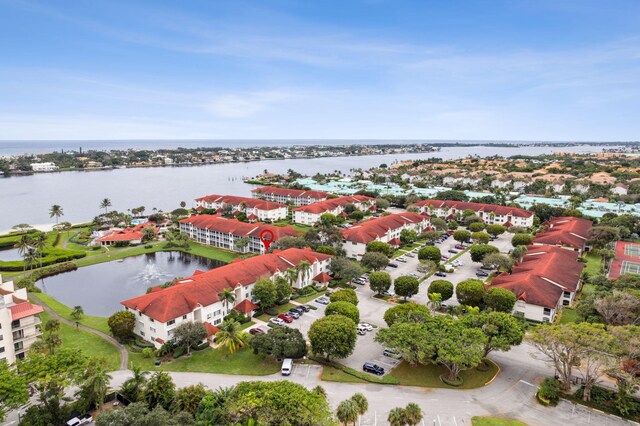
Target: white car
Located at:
point(366, 326)
point(276, 321)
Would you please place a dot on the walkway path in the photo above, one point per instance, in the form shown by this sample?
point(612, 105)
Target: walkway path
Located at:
point(124, 355)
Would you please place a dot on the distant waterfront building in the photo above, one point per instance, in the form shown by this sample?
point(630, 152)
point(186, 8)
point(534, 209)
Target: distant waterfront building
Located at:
point(19, 322)
point(386, 229)
point(297, 197)
point(221, 232)
point(196, 298)
point(310, 214)
point(255, 209)
point(44, 167)
point(489, 213)
point(132, 236)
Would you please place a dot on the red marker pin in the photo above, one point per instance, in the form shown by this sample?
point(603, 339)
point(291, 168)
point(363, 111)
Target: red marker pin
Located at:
point(266, 237)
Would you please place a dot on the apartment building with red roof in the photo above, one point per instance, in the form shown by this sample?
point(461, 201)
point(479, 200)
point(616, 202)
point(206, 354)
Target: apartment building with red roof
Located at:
point(568, 232)
point(386, 229)
point(546, 279)
point(296, 197)
point(255, 209)
point(218, 231)
point(489, 213)
point(310, 214)
point(19, 322)
point(196, 298)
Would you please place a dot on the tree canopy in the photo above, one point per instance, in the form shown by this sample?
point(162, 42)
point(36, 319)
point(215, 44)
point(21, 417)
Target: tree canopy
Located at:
point(333, 336)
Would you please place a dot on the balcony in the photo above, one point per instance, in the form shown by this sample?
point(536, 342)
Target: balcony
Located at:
point(26, 322)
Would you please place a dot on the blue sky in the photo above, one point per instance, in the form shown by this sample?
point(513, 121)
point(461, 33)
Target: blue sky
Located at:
point(447, 69)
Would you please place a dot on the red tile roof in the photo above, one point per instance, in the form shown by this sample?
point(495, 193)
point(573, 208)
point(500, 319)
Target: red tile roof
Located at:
point(332, 204)
point(236, 227)
point(23, 310)
point(236, 201)
point(477, 207)
point(292, 193)
point(128, 234)
point(373, 229)
point(322, 277)
point(565, 231)
point(211, 329)
point(202, 289)
point(246, 306)
point(543, 275)
point(395, 242)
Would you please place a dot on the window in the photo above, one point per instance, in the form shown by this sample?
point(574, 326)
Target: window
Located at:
point(208, 316)
point(142, 333)
point(151, 319)
point(567, 295)
point(15, 324)
point(1, 349)
point(216, 313)
point(547, 311)
point(18, 346)
point(139, 314)
point(171, 322)
point(153, 330)
point(184, 317)
point(218, 321)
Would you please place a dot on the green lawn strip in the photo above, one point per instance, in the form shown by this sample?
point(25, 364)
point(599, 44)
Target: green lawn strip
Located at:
point(330, 374)
point(90, 344)
point(352, 373)
point(247, 325)
point(568, 315)
point(308, 298)
point(213, 361)
point(281, 309)
point(97, 323)
point(593, 267)
point(429, 376)
point(494, 421)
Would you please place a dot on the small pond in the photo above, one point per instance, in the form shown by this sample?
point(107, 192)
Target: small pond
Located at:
point(7, 255)
point(100, 288)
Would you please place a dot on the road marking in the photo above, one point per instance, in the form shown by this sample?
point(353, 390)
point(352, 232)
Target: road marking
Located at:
point(439, 422)
point(527, 383)
point(308, 371)
point(454, 421)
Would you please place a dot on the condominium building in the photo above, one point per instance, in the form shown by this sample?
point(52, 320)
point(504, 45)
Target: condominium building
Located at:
point(221, 232)
point(19, 322)
point(253, 208)
point(310, 214)
point(296, 197)
point(569, 232)
point(489, 213)
point(196, 298)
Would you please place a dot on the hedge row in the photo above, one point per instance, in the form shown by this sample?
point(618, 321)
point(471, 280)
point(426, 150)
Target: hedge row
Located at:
point(51, 257)
point(28, 281)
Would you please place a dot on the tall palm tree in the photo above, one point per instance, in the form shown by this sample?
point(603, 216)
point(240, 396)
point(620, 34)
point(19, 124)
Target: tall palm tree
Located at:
point(77, 314)
point(413, 414)
point(292, 276)
point(397, 417)
point(23, 245)
point(96, 382)
point(56, 211)
point(132, 387)
point(227, 296)
point(230, 336)
point(39, 243)
point(435, 301)
point(362, 405)
point(105, 204)
point(347, 412)
point(304, 268)
point(605, 256)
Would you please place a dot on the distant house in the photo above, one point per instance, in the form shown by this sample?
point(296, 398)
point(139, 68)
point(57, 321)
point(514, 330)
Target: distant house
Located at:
point(567, 232)
point(297, 197)
point(519, 184)
point(557, 186)
point(132, 236)
point(196, 298)
point(546, 279)
point(581, 187)
point(44, 167)
point(254, 209)
point(620, 189)
point(310, 214)
point(386, 229)
point(489, 213)
point(500, 183)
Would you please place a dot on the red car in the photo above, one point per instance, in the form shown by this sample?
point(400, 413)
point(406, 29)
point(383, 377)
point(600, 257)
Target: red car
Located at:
point(286, 318)
point(255, 331)
point(461, 246)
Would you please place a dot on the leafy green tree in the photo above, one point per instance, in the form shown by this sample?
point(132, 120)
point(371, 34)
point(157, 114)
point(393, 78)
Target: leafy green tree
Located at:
point(139, 414)
point(264, 290)
point(160, 390)
point(333, 336)
point(382, 204)
point(443, 287)
point(518, 253)
point(345, 269)
point(430, 253)
point(51, 336)
point(480, 237)
point(601, 236)
point(189, 334)
point(479, 251)
point(379, 282)
point(231, 336)
point(452, 225)
point(435, 301)
point(343, 308)
point(374, 261)
point(380, 247)
point(462, 236)
point(283, 290)
point(121, 324)
point(521, 240)
point(76, 314)
point(95, 383)
point(326, 250)
point(356, 215)
point(328, 219)
point(211, 410)
point(344, 295)
point(495, 230)
point(408, 236)
point(281, 342)
point(501, 261)
point(362, 405)
point(105, 204)
point(227, 296)
point(188, 399)
point(470, 292)
point(407, 312)
point(503, 331)
point(439, 224)
point(406, 286)
point(13, 388)
point(499, 299)
point(133, 387)
point(476, 226)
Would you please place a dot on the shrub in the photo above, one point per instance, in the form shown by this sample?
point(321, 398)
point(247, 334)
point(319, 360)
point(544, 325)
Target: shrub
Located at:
point(343, 308)
point(147, 353)
point(179, 351)
point(344, 295)
point(201, 346)
point(443, 287)
point(271, 311)
point(430, 253)
point(148, 246)
point(549, 391)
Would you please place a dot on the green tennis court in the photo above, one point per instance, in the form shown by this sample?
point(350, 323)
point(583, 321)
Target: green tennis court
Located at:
point(630, 267)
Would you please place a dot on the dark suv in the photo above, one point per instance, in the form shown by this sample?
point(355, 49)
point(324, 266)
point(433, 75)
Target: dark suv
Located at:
point(373, 368)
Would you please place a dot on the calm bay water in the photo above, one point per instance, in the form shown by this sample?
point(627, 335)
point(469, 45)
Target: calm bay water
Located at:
point(100, 288)
point(27, 199)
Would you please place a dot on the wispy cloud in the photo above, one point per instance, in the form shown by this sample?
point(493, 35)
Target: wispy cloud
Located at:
point(246, 104)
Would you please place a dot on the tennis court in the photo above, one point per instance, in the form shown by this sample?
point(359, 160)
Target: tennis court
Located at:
point(630, 267)
point(632, 250)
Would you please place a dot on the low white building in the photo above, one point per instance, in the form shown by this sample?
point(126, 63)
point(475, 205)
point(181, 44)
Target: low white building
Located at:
point(489, 213)
point(620, 189)
point(44, 167)
point(499, 183)
point(254, 209)
point(310, 214)
point(196, 298)
point(19, 322)
point(386, 229)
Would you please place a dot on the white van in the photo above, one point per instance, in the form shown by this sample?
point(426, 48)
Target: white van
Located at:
point(362, 330)
point(287, 367)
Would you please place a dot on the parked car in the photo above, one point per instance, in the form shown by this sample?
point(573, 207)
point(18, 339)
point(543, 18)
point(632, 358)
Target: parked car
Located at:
point(299, 309)
point(460, 246)
point(430, 243)
point(393, 265)
point(413, 274)
point(323, 300)
point(293, 314)
point(328, 293)
point(286, 318)
point(481, 273)
point(488, 267)
point(305, 308)
point(256, 330)
point(361, 330)
point(401, 259)
point(276, 321)
point(444, 257)
point(287, 367)
point(454, 251)
point(370, 367)
point(410, 255)
point(389, 293)
point(366, 326)
point(457, 263)
point(392, 353)
point(440, 274)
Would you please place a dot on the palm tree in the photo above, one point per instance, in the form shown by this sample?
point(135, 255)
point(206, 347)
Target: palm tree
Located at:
point(605, 256)
point(39, 243)
point(292, 276)
point(413, 414)
point(23, 245)
point(132, 387)
point(96, 382)
point(56, 211)
point(362, 405)
point(347, 412)
point(105, 204)
point(227, 296)
point(397, 417)
point(52, 340)
point(304, 268)
point(77, 314)
point(435, 301)
point(230, 336)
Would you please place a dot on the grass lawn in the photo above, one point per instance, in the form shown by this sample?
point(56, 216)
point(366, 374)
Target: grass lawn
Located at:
point(569, 315)
point(494, 421)
point(330, 374)
point(281, 309)
point(213, 361)
point(90, 344)
point(247, 325)
point(593, 264)
point(98, 323)
point(308, 298)
point(429, 376)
